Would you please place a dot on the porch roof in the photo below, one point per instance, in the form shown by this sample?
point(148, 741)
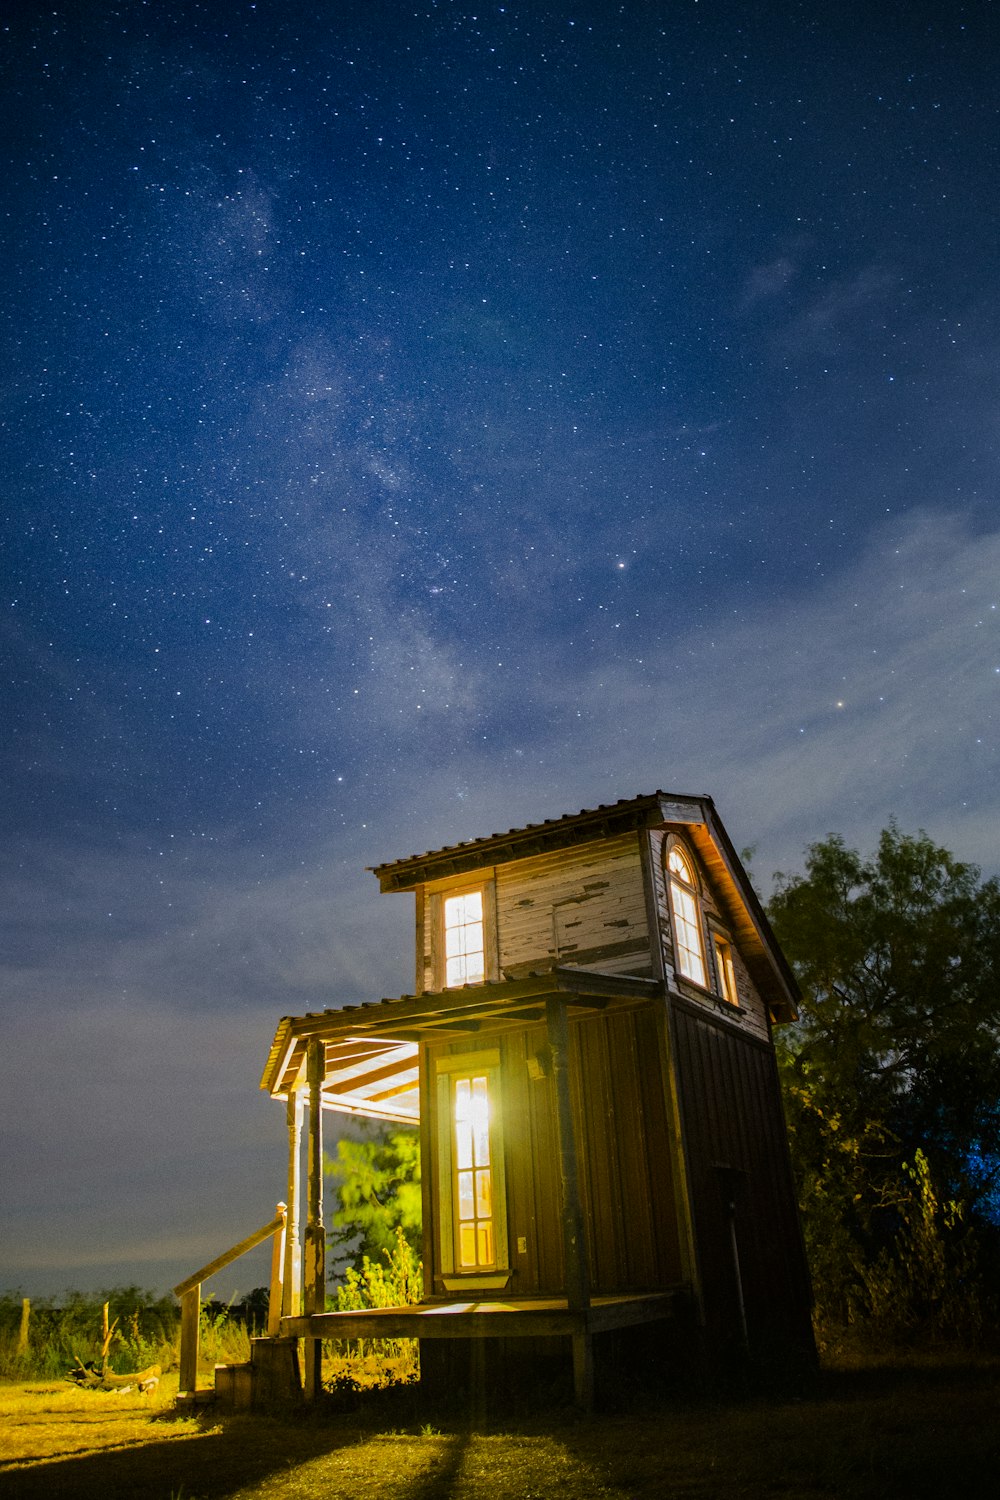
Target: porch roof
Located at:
point(371, 1050)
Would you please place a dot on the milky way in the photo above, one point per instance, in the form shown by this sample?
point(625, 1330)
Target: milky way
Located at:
point(421, 419)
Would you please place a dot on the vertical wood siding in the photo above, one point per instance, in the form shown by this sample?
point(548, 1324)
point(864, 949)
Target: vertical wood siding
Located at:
point(735, 1135)
point(620, 1121)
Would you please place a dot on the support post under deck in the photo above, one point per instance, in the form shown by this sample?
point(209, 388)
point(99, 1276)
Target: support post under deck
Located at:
point(574, 1239)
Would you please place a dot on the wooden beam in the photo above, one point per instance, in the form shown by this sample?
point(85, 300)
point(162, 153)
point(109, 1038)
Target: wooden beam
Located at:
point(583, 1370)
point(574, 1241)
point(275, 1293)
point(291, 1293)
point(406, 1017)
point(350, 1080)
point(403, 1323)
point(666, 1033)
point(429, 1186)
point(527, 1318)
point(221, 1261)
point(190, 1316)
point(314, 1277)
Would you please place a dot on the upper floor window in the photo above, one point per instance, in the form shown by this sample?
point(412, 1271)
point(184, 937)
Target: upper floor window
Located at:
point(464, 939)
point(684, 904)
point(724, 968)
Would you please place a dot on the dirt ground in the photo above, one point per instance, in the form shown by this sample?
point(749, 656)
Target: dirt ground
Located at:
point(912, 1434)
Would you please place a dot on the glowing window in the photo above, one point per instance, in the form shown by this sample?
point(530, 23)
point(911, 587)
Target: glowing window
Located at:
point(472, 1216)
point(475, 1241)
point(687, 922)
point(724, 969)
point(464, 939)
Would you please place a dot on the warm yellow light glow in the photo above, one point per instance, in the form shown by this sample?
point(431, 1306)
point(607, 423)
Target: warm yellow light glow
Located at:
point(464, 941)
point(473, 1174)
point(687, 924)
point(727, 974)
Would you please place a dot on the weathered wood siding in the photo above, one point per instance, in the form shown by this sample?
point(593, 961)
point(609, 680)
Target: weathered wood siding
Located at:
point(626, 1171)
point(625, 1164)
point(751, 1015)
point(736, 1145)
point(583, 906)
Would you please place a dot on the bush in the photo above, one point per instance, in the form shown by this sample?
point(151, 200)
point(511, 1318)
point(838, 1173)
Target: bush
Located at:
point(145, 1331)
point(397, 1283)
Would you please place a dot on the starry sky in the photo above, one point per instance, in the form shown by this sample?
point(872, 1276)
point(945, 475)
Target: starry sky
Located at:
point(422, 419)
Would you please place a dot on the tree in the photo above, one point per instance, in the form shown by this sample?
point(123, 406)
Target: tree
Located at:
point(377, 1184)
point(894, 1063)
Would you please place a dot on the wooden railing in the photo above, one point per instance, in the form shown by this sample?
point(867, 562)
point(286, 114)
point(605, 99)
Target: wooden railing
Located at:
point(189, 1291)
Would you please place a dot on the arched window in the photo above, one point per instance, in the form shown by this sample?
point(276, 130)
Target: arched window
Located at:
point(690, 951)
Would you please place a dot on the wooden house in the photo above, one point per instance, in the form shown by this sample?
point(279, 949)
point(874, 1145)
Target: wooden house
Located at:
point(587, 1054)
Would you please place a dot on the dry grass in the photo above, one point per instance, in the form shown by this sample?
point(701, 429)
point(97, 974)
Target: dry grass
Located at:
point(858, 1435)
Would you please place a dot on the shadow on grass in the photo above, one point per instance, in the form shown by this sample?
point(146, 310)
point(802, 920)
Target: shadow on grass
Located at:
point(867, 1434)
point(875, 1434)
point(237, 1452)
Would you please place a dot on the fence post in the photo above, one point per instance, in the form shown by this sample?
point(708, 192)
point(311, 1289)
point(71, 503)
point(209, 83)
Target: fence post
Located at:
point(22, 1337)
point(190, 1317)
point(277, 1273)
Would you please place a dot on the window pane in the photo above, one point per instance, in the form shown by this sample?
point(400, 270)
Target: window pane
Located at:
point(463, 1124)
point(467, 1246)
point(484, 1195)
point(465, 1196)
point(475, 970)
point(471, 906)
point(481, 1122)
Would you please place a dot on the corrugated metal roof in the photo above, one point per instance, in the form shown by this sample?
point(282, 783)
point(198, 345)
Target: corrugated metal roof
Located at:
point(392, 874)
point(405, 1016)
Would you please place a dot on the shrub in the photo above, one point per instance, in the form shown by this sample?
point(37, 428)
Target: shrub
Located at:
point(396, 1283)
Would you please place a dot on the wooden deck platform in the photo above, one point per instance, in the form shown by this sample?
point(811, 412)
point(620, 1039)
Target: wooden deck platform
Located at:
point(513, 1318)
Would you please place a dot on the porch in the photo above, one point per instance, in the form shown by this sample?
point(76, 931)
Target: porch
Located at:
point(511, 1318)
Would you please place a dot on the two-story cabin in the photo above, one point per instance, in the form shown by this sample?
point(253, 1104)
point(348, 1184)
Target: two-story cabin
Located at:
point(587, 1053)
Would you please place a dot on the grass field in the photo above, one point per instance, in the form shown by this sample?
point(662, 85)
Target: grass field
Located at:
point(878, 1433)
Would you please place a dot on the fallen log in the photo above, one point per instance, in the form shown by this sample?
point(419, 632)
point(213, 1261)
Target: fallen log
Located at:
point(91, 1379)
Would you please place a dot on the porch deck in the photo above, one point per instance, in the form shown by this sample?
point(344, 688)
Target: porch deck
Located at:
point(508, 1318)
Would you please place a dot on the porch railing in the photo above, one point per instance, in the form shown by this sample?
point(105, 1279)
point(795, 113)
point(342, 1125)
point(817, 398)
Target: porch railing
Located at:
point(189, 1291)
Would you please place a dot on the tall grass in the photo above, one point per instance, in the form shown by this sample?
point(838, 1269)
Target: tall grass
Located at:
point(146, 1331)
point(61, 1333)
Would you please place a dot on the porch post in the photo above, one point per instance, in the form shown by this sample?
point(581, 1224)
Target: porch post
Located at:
point(276, 1291)
point(291, 1297)
point(574, 1239)
point(190, 1318)
point(315, 1245)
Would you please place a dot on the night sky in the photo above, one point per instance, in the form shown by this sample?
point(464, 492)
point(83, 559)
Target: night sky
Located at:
point(422, 419)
